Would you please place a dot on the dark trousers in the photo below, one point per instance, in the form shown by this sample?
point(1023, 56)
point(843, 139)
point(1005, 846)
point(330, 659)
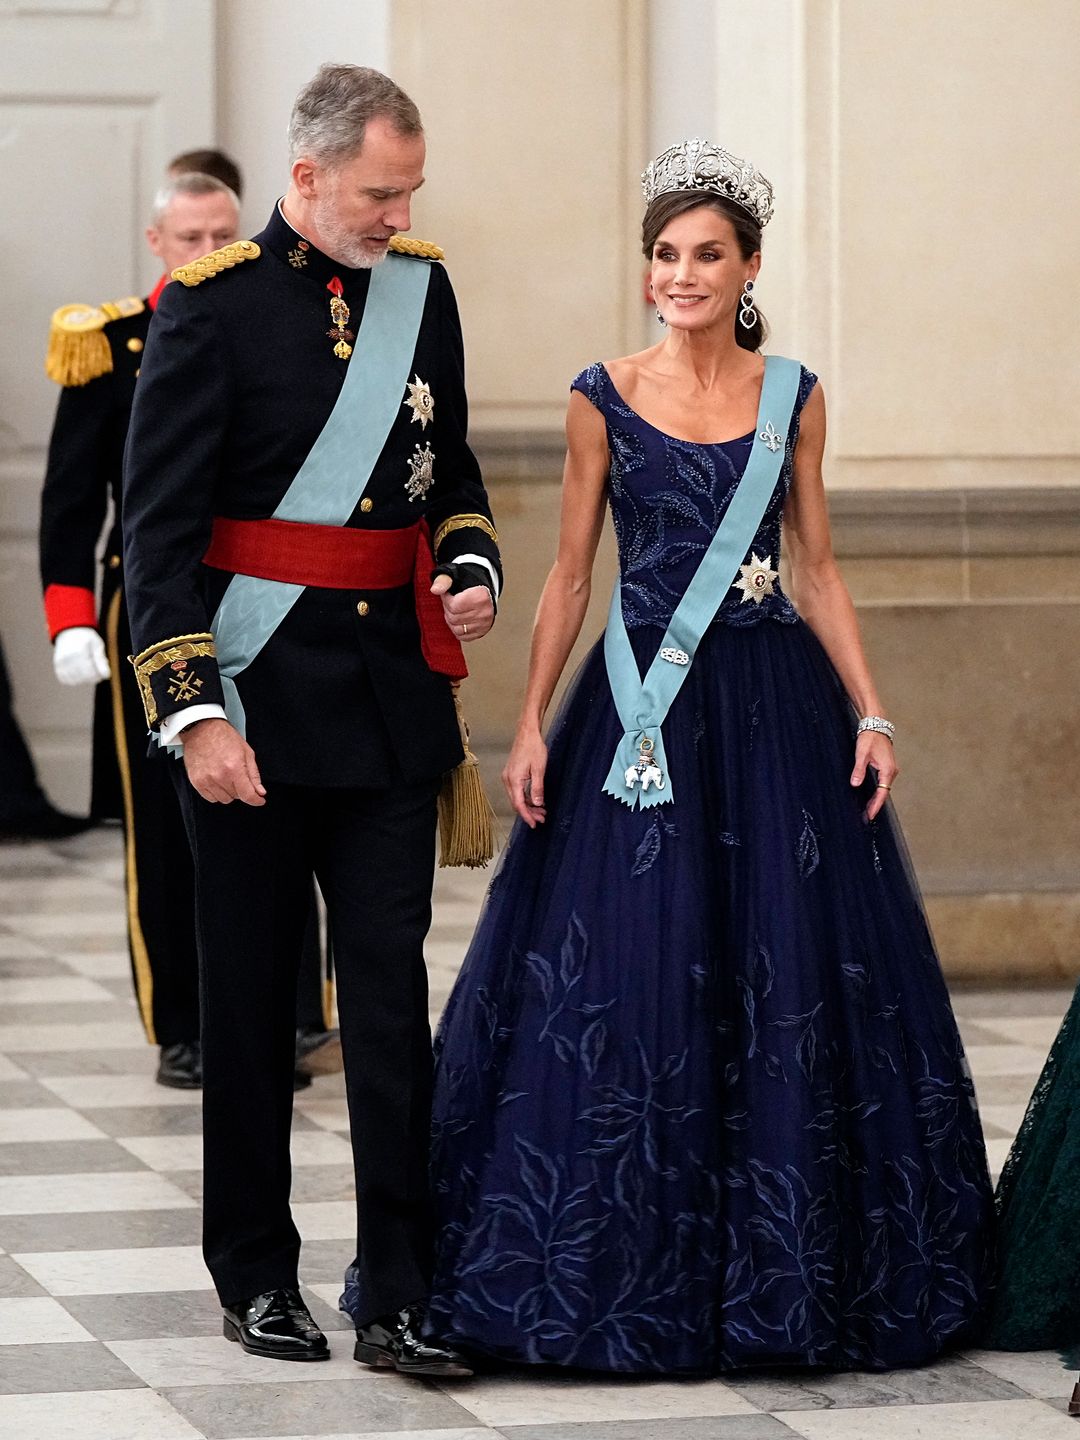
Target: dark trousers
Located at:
point(20, 794)
point(373, 853)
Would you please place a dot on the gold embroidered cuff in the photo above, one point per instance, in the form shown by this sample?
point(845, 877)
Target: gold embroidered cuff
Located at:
point(465, 522)
point(167, 652)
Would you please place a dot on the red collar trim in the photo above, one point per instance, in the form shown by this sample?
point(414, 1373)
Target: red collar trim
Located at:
point(155, 294)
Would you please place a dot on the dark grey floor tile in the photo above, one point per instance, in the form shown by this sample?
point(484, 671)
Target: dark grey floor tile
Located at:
point(946, 1382)
point(99, 1230)
point(134, 1060)
point(339, 1407)
point(174, 1315)
point(65, 1157)
point(132, 1120)
point(972, 1033)
point(31, 967)
point(996, 1132)
point(15, 1282)
point(730, 1427)
point(69, 1012)
point(118, 985)
point(81, 1365)
point(29, 1095)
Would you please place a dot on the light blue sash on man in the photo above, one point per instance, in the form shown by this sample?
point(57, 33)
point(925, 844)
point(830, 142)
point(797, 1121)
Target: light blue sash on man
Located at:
point(332, 480)
point(639, 773)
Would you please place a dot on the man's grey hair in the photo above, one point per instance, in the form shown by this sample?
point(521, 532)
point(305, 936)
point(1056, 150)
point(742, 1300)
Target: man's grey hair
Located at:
point(332, 111)
point(191, 184)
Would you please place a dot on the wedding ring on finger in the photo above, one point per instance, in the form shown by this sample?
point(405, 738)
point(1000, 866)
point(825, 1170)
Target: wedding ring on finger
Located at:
point(882, 787)
point(464, 628)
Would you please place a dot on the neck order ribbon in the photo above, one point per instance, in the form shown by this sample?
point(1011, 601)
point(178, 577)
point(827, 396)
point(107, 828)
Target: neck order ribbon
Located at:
point(639, 774)
point(332, 480)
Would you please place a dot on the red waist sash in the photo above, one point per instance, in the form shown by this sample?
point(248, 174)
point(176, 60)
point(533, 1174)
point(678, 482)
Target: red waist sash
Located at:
point(337, 557)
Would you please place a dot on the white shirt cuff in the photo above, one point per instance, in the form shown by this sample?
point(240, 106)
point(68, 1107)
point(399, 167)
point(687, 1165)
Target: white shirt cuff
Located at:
point(481, 560)
point(172, 725)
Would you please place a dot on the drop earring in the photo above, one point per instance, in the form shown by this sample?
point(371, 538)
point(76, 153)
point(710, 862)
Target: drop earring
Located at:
point(660, 317)
point(748, 316)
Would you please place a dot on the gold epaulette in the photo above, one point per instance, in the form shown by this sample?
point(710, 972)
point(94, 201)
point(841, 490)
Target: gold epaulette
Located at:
point(421, 249)
point(217, 261)
point(78, 348)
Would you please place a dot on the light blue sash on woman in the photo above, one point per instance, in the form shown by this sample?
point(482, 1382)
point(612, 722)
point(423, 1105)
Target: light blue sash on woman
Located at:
point(639, 774)
point(332, 480)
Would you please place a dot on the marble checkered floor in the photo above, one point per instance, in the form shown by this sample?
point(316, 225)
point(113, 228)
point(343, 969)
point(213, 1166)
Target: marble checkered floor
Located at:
point(108, 1326)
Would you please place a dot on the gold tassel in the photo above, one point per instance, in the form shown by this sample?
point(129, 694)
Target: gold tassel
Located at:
point(75, 359)
point(78, 347)
point(466, 819)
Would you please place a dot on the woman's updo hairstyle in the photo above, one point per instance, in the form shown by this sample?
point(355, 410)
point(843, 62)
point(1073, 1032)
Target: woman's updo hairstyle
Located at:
point(666, 207)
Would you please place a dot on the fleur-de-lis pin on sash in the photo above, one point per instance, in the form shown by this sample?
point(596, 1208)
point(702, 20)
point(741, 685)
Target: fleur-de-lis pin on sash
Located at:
point(639, 770)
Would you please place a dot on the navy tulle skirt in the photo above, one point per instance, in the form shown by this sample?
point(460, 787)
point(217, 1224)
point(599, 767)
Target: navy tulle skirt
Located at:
point(701, 1102)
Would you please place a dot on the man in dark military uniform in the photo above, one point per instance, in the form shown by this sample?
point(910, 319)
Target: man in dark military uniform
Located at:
point(95, 355)
point(340, 700)
point(25, 810)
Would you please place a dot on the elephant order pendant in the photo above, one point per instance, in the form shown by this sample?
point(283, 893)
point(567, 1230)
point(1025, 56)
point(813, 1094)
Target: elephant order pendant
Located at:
point(645, 771)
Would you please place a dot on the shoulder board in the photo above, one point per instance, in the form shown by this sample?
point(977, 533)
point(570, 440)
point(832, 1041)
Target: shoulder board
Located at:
point(217, 261)
point(419, 249)
point(78, 350)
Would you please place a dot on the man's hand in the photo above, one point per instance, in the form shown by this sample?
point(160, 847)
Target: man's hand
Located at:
point(471, 613)
point(221, 764)
point(79, 656)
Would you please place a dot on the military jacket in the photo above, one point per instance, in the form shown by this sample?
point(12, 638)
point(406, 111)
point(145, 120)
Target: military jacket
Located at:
point(240, 374)
point(83, 475)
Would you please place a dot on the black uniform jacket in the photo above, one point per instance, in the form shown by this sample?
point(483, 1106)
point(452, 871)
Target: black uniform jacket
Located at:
point(80, 496)
point(83, 474)
point(238, 379)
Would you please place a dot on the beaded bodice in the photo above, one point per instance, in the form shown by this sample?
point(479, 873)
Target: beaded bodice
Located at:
point(667, 499)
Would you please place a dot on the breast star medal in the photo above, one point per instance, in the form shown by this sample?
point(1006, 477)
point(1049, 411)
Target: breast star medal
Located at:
point(421, 472)
point(756, 579)
point(339, 314)
point(420, 401)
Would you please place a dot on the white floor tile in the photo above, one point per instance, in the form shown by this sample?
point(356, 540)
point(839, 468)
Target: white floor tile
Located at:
point(57, 922)
point(477, 1434)
point(93, 1415)
point(1004, 1060)
point(1038, 1031)
point(18, 946)
point(101, 965)
point(1039, 1372)
point(105, 1092)
point(74, 1194)
point(512, 1401)
point(997, 1152)
point(153, 1270)
point(38, 1320)
point(49, 989)
point(213, 1361)
point(1007, 1116)
point(46, 1124)
point(985, 1420)
point(330, 1293)
point(9, 1070)
point(329, 1220)
point(184, 1152)
point(331, 1112)
point(88, 1035)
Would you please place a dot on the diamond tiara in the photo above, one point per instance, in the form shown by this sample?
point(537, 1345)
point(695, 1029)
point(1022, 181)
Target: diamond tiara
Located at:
point(700, 165)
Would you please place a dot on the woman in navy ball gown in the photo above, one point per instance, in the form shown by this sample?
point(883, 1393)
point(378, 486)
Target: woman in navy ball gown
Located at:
point(701, 1102)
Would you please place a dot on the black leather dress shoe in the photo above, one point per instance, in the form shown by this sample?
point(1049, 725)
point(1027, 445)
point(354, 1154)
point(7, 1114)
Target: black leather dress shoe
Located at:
point(318, 1052)
point(395, 1341)
point(180, 1066)
point(276, 1325)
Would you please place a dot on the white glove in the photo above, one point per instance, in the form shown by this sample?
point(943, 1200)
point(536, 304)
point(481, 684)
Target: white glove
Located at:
point(79, 656)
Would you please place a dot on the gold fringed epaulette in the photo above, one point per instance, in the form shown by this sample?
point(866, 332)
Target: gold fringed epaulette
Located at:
point(419, 249)
point(466, 819)
point(78, 347)
point(217, 261)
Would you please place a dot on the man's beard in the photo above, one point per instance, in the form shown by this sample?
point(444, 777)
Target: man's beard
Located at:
point(339, 242)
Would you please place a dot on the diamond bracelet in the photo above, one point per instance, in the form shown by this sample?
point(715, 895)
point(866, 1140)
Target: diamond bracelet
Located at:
point(878, 723)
